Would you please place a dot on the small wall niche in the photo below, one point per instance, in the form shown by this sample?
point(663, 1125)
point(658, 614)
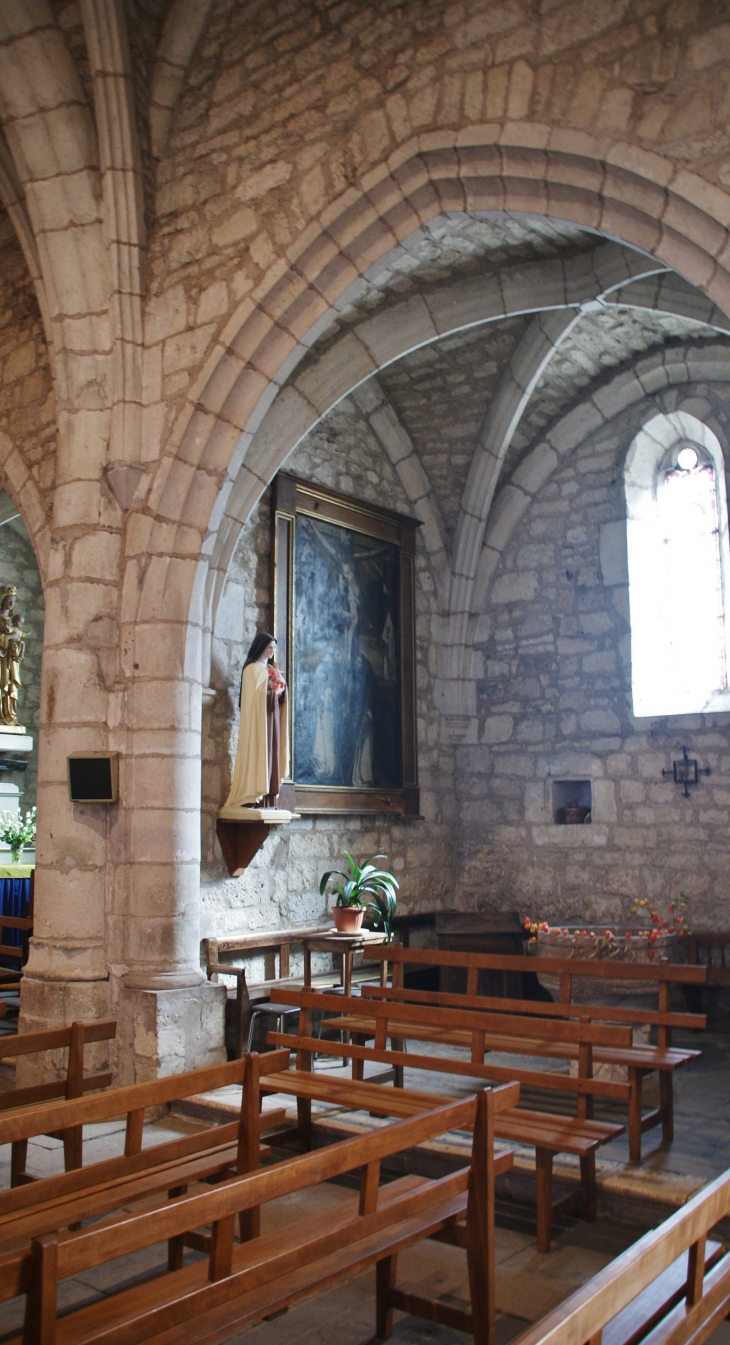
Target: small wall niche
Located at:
point(572, 802)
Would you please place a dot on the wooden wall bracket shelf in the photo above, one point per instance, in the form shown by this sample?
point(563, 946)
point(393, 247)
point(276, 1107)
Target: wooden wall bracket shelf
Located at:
point(240, 841)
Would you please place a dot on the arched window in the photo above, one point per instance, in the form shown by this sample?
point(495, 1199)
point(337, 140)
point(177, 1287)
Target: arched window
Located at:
point(679, 568)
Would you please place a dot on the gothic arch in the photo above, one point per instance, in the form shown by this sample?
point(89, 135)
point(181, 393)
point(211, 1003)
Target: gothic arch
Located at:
point(612, 188)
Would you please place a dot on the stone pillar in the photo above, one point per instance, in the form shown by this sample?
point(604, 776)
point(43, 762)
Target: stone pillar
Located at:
point(117, 886)
point(171, 1017)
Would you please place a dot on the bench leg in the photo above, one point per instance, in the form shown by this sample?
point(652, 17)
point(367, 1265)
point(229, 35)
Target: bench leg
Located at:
point(397, 1045)
point(304, 1118)
point(358, 1066)
point(635, 1107)
point(385, 1273)
point(72, 1148)
point(176, 1245)
point(588, 1186)
point(544, 1175)
point(666, 1100)
point(18, 1156)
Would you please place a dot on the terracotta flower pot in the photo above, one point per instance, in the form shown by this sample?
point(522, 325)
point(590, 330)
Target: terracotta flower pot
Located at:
point(348, 919)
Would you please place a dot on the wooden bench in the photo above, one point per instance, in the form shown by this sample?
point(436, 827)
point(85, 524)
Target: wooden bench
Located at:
point(672, 1287)
point(236, 1286)
point(276, 946)
point(13, 953)
point(74, 1085)
point(548, 1133)
point(55, 1202)
point(639, 1060)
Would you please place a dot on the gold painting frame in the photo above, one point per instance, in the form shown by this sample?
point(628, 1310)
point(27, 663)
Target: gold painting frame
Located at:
point(294, 499)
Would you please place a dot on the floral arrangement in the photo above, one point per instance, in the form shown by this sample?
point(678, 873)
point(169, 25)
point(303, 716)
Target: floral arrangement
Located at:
point(17, 831)
point(277, 682)
point(674, 923)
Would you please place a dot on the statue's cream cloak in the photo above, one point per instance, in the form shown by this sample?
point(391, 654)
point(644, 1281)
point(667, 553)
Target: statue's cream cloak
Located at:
point(252, 771)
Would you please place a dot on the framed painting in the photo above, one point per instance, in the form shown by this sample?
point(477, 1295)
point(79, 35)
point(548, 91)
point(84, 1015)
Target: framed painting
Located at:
point(344, 617)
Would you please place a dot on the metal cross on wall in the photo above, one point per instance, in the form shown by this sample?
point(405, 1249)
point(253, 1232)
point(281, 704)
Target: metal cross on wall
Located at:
point(686, 772)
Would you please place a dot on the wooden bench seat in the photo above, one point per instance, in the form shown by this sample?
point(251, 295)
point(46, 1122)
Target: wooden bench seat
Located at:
point(550, 1134)
point(639, 1060)
point(568, 971)
point(672, 1287)
point(236, 1286)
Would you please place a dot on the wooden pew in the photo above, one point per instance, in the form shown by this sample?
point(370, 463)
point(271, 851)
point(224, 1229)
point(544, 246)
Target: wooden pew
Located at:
point(276, 946)
point(672, 1287)
point(51, 1203)
point(236, 1286)
point(74, 1085)
point(639, 1060)
point(550, 1134)
point(15, 954)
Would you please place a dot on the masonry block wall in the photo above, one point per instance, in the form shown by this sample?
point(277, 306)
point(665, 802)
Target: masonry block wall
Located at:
point(282, 885)
point(554, 702)
point(219, 221)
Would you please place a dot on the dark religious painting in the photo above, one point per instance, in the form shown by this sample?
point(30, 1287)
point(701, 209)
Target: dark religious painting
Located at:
point(345, 657)
point(343, 612)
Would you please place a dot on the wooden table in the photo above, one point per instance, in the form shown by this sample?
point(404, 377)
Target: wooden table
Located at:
point(344, 946)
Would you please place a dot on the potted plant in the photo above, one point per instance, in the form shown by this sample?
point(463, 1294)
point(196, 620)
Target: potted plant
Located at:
point(17, 831)
point(366, 887)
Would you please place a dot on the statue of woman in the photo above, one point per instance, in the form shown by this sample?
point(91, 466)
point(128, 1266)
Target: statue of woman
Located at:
point(262, 759)
point(12, 649)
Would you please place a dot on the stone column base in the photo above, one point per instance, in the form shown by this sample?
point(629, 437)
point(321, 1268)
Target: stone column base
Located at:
point(48, 1004)
point(162, 1032)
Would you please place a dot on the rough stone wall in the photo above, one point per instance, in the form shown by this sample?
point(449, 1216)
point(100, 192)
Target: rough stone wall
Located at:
point(18, 566)
point(555, 701)
point(281, 886)
point(27, 404)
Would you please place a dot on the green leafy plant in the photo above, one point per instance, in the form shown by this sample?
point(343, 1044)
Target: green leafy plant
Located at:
point(17, 831)
point(365, 885)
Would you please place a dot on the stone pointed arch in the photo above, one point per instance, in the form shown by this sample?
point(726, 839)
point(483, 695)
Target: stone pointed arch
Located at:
point(648, 375)
point(614, 188)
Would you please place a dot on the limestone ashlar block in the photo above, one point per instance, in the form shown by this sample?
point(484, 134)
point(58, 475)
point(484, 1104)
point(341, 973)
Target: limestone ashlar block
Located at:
point(593, 837)
point(533, 286)
point(158, 702)
point(158, 645)
point(74, 607)
point(65, 959)
point(464, 303)
point(151, 781)
point(535, 469)
point(507, 510)
point(402, 329)
point(349, 362)
point(160, 944)
point(96, 556)
point(165, 833)
point(153, 890)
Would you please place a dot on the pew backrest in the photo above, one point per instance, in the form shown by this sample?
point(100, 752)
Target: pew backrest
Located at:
point(51, 1259)
point(392, 1020)
point(703, 1305)
point(133, 1100)
point(585, 1013)
point(75, 1082)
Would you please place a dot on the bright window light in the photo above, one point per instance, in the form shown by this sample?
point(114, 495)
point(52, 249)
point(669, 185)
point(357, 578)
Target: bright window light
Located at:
point(675, 534)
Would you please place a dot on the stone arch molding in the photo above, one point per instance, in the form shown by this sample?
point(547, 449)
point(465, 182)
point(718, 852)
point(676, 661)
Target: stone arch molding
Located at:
point(648, 376)
point(616, 189)
point(564, 290)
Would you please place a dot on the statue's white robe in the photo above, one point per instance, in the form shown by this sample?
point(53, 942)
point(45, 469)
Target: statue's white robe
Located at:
point(252, 772)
